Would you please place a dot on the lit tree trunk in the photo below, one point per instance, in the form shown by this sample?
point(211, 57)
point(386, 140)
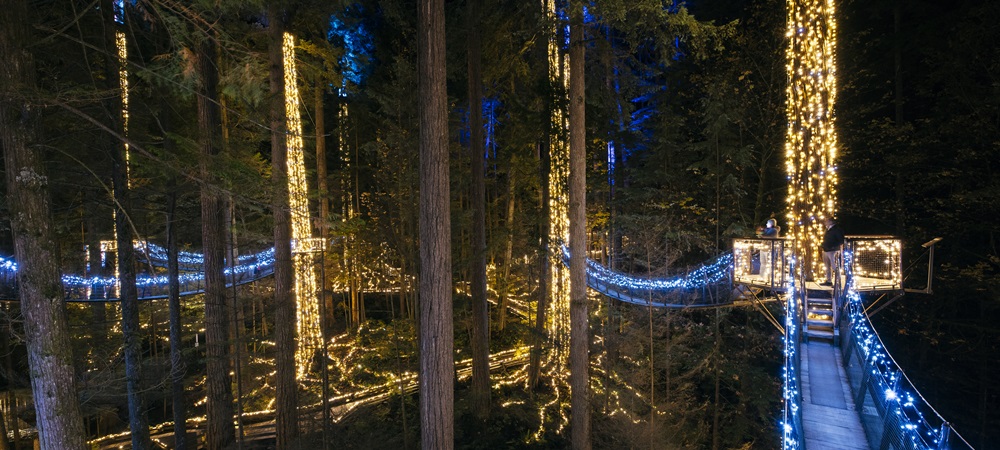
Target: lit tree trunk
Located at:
point(480, 309)
point(286, 401)
point(436, 334)
point(50, 358)
point(219, 432)
point(177, 369)
point(544, 225)
point(579, 359)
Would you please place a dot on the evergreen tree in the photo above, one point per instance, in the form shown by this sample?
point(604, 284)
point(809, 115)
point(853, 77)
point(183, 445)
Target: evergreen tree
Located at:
point(436, 332)
point(579, 357)
point(57, 409)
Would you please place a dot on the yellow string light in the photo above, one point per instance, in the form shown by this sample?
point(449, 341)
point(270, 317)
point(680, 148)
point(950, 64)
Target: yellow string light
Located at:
point(811, 140)
point(307, 311)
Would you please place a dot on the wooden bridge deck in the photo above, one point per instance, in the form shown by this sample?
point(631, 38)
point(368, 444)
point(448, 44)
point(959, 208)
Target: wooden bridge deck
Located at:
point(829, 420)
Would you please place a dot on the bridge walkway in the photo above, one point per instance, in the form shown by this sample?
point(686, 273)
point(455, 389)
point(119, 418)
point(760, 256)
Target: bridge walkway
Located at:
point(829, 419)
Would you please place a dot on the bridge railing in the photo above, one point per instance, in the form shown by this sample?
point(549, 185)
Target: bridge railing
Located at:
point(692, 289)
point(157, 286)
point(892, 411)
point(762, 262)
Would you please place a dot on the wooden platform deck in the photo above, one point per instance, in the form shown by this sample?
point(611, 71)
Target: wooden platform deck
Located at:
point(829, 420)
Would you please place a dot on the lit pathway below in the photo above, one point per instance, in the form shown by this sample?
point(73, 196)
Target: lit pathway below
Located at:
point(829, 420)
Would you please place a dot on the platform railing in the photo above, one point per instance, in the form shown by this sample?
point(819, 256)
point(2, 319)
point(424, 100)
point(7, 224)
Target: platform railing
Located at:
point(894, 414)
point(762, 262)
point(877, 262)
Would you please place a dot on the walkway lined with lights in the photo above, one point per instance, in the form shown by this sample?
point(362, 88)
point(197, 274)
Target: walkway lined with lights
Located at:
point(250, 268)
point(689, 290)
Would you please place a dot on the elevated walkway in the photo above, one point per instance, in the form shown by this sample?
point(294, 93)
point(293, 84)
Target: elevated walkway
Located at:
point(829, 420)
point(842, 388)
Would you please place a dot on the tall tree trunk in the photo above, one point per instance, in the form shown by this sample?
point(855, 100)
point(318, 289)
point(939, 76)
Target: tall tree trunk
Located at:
point(219, 432)
point(98, 310)
point(324, 195)
point(579, 354)
point(8, 364)
point(286, 401)
point(177, 369)
point(544, 225)
point(717, 375)
point(5, 333)
point(129, 297)
point(50, 358)
point(509, 251)
point(480, 307)
point(436, 333)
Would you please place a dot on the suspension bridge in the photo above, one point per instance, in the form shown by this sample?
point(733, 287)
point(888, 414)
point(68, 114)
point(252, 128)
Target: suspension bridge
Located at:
point(842, 389)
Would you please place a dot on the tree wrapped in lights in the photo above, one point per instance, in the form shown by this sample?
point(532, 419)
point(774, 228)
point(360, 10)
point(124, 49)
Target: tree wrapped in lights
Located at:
point(307, 320)
point(811, 140)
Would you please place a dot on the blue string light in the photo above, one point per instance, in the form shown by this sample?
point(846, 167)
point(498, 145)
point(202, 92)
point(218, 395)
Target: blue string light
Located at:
point(791, 420)
point(892, 389)
point(260, 263)
point(711, 273)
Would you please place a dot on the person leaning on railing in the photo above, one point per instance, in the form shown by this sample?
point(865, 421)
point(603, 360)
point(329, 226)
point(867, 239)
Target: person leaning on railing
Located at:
point(770, 231)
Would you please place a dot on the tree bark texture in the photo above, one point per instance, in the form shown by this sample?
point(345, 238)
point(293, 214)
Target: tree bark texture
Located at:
point(129, 299)
point(177, 369)
point(324, 195)
point(286, 402)
point(480, 309)
point(544, 225)
point(219, 432)
point(50, 359)
point(436, 333)
point(579, 354)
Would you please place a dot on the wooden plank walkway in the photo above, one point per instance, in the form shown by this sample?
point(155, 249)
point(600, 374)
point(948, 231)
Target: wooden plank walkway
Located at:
point(829, 420)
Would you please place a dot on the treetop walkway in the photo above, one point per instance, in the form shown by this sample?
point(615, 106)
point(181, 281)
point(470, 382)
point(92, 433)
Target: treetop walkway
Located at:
point(842, 389)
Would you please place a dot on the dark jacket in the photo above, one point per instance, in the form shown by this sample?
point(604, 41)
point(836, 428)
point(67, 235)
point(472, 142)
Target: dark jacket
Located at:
point(833, 239)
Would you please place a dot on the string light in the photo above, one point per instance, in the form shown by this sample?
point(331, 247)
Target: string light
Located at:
point(811, 140)
point(307, 311)
point(554, 365)
point(791, 419)
point(881, 378)
point(637, 290)
point(877, 263)
point(884, 374)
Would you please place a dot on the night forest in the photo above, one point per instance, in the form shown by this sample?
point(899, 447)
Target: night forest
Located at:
point(169, 123)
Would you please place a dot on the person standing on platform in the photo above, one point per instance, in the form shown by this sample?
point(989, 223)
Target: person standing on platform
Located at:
point(768, 253)
point(771, 230)
point(833, 241)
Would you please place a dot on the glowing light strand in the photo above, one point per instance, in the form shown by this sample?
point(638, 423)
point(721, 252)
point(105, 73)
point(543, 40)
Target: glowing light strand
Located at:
point(892, 388)
point(882, 378)
point(791, 418)
point(810, 140)
point(307, 311)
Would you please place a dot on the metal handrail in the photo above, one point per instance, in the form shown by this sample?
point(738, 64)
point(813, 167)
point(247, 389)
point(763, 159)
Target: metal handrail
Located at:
point(892, 411)
point(793, 436)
